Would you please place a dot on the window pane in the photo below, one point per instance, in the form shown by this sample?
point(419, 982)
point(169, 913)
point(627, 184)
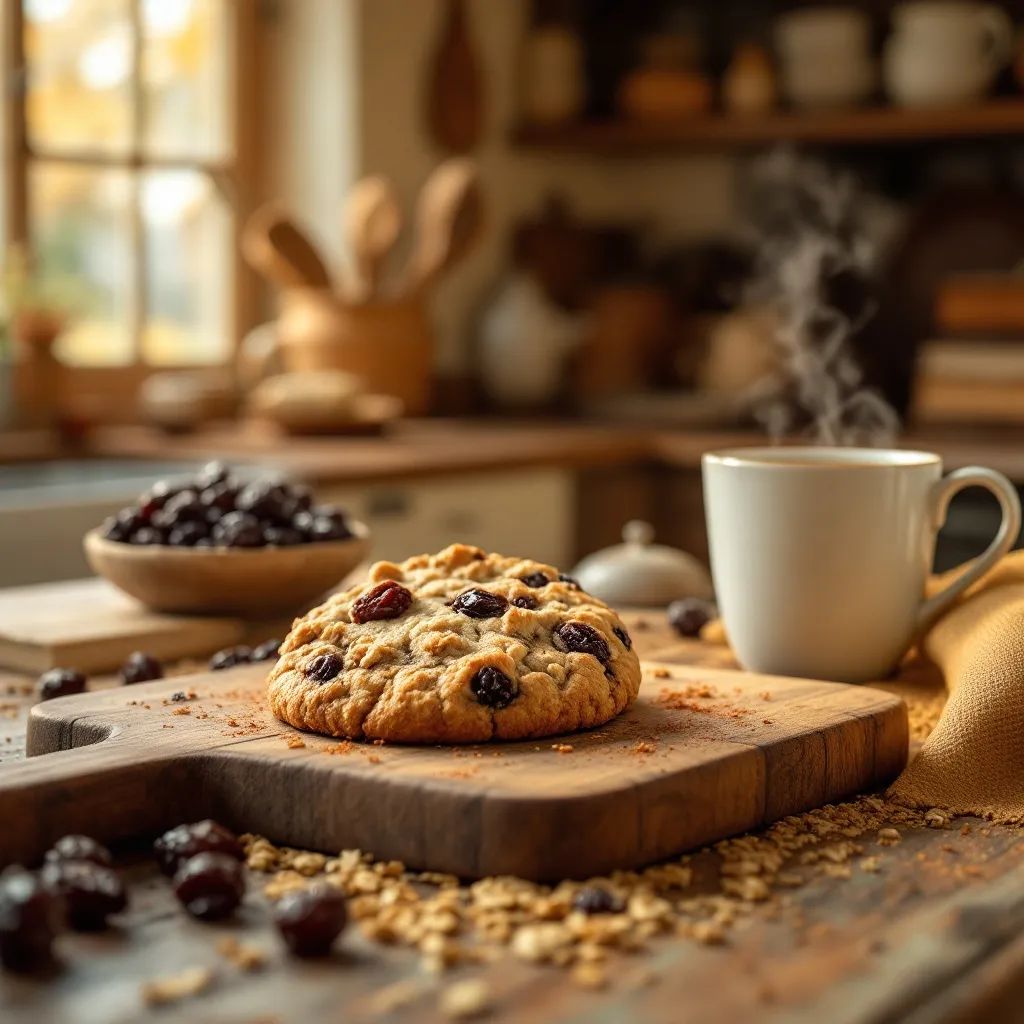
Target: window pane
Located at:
point(185, 71)
point(79, 57)
point(81, 237)
point(189, 240)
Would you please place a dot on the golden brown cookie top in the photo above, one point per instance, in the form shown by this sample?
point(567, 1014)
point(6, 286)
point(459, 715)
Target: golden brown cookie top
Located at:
point(459, 646)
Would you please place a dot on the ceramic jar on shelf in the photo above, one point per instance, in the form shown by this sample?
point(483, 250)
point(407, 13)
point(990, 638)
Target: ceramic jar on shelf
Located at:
point(944, 52)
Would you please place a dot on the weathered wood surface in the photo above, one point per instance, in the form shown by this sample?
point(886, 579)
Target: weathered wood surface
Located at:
point(932, 937)
point(702, 754)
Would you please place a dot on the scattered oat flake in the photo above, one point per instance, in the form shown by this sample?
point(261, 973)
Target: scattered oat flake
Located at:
point(644, 747)
point(182, 711)
point(464, 1000)
point(242, 955)
point(661, 673)
point(175, 987)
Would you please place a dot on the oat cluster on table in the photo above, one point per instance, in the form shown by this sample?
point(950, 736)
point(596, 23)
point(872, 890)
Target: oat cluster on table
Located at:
point(457, 647)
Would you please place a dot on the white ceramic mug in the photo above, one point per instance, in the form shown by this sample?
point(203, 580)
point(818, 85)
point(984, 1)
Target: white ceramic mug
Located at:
point(820, 555)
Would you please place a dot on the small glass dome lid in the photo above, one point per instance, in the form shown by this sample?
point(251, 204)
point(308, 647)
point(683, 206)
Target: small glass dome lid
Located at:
point(640, 572)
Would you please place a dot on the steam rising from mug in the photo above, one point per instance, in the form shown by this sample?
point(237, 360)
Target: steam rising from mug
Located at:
point(813, 269)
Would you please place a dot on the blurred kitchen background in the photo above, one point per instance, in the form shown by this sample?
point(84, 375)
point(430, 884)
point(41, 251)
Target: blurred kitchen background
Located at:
point(500, 270)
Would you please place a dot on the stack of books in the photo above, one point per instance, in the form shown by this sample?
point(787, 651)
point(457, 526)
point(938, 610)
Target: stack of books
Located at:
point(974, 371)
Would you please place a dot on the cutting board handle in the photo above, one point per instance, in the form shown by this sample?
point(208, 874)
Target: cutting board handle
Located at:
point(111, 790)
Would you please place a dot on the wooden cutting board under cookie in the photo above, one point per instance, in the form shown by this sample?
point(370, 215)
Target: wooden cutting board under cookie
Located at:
point(702, 754)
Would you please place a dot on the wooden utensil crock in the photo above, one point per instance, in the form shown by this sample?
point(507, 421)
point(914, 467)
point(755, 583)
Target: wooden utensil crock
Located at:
point(388, 344)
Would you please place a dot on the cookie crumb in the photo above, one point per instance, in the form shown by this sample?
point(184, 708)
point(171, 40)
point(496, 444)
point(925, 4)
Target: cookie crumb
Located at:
point(661, 673)
point(644, 747)
point(465, 999)
point(295, 742)
point(243, 956)
point(175, 987)
point(562, 748)
point(889, 837)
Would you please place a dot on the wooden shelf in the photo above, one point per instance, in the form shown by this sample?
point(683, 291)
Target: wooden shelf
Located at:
point(860, 127)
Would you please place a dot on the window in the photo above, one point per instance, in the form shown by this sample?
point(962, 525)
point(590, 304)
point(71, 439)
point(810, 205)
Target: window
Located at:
point(126, 158)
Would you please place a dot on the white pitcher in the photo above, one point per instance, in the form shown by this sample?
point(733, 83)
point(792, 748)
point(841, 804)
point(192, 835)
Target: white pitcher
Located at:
point(945, 51)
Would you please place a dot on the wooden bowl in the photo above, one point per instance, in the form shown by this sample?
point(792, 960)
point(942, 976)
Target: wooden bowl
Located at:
point(252, 582)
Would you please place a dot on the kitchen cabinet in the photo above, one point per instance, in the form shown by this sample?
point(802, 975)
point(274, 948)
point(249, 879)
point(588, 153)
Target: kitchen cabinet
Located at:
point(528, 512)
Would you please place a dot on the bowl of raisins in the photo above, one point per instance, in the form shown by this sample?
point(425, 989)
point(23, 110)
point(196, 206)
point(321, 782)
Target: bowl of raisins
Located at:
point(217, 544)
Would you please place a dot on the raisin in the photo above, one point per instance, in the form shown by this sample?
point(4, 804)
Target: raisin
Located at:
point(623, 636)
point(570, 581)
point(238, 530)
point(480, 604)
point(229, 657)
point(91, 892)
point(580, 638)
point(689, 616)
point(30, 917)
point(525, 601)
point(593, 899)
point(185, 535)
point(209, 885)
point(60, 682)
point(387, 600)
point(140, 668)
point(309, 920)
point(179, 844)
point(535, 579)
point(78, 848)
point(324, 667)
point(265, 651)
point(492, 688)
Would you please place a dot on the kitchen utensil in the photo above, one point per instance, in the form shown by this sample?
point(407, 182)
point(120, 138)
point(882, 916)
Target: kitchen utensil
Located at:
point(371, 222)
point(91, 625)
point(280, 250)
point(448, 219)
point(244, 581)
point(733, 763)
point(820, 555)
point(455, 91)
point(389, 345)
point(946, 51)
point(639, 572)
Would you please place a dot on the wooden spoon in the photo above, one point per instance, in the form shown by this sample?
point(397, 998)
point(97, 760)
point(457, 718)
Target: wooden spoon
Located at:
point(449, 214)
point(371, 221)
point(280, 250)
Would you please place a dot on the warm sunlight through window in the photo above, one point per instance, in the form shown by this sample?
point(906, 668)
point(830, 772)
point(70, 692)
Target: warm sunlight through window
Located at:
point(129, 167)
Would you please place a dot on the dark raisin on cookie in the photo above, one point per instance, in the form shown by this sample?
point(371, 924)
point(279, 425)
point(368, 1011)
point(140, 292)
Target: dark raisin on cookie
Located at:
point(623, 636)
point(492, 688)
point(569, 581)
point(579, 638)
point(387, 600)
point(535, 579)
point(480, 604)
point(525, 601)
point(324, 667)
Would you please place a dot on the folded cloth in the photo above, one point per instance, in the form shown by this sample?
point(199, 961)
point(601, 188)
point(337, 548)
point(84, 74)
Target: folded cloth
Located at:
point(972, 761)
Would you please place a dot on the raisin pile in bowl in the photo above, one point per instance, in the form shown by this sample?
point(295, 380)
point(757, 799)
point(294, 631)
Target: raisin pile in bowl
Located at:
point(214, 509)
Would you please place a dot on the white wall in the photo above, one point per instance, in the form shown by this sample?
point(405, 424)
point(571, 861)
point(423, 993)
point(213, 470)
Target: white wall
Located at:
point(361, 66)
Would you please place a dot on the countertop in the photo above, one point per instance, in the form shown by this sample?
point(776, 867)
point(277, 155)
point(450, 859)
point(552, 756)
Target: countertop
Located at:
point(417, 448)
point(926, 930)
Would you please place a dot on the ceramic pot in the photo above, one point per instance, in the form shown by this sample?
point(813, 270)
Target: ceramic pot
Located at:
point(945, 52)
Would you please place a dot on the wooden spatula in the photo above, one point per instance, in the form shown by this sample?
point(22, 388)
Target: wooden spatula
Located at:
point(371, 222)
point(448, 219)
point(279, 249)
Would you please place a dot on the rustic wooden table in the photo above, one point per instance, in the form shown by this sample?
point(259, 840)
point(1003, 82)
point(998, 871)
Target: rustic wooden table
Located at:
point(930, 931)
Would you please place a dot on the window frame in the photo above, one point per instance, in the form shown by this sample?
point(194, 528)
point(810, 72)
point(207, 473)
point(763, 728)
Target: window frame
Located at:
point(235, 176)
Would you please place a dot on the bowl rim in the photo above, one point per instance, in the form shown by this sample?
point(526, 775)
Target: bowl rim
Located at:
point(93, 537)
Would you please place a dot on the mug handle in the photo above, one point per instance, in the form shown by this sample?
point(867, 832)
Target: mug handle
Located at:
point(1000, 31)
point(1009, 528)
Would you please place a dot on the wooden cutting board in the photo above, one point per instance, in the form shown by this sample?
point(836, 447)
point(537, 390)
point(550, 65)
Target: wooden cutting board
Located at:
point(701, 755)
point(90, 625)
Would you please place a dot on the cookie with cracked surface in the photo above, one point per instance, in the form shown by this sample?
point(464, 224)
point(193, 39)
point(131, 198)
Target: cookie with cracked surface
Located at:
point(457, 647)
